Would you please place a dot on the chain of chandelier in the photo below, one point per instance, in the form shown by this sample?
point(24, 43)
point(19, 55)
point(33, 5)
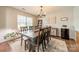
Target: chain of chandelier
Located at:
point(41, 12)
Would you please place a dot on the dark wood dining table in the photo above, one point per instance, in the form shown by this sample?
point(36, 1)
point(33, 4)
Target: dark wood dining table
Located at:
point(31, 35)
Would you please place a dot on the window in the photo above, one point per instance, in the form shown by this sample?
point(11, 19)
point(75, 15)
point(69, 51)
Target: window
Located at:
point(23, 21)
point(29, 21)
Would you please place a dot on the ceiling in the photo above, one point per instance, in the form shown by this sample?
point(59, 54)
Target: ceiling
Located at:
point(35, 10)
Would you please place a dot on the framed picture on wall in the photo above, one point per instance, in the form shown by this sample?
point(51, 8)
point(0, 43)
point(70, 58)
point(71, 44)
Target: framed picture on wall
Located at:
point(64, 19)
point(39, 23)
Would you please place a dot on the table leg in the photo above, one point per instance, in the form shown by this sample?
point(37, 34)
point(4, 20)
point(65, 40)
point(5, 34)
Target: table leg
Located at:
point(21, 39)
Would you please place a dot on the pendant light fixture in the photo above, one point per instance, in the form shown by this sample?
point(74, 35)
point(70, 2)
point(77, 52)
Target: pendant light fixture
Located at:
point(41, 15)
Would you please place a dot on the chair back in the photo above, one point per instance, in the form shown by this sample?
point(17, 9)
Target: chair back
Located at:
point(22, 29)
point(47, 32)
point(30, 27)
point(36, 27)
point(41, 36)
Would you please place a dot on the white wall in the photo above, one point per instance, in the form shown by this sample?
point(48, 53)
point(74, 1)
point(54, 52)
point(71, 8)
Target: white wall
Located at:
point(2, 17)
point(76, 18)
point(12, 17)
point(8, 17)
point(65, 12)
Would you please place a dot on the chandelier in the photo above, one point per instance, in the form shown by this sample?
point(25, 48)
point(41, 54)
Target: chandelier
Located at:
point(41, 15)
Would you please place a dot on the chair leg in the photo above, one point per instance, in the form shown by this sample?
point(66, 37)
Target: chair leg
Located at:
point(50, 37)
point(29, 44)
point(31, 48)
point(25, 44)
point(38, 48)
point(48, 41)
point(43, 46)
point(21, 39)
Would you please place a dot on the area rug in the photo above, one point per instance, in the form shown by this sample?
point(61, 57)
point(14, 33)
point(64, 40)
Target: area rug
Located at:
point(55, 45)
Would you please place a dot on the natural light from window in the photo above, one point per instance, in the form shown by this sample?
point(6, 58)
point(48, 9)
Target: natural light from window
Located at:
point(23, 21)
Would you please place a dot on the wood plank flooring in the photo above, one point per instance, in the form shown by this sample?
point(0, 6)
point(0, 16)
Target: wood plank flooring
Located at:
point(72, 45)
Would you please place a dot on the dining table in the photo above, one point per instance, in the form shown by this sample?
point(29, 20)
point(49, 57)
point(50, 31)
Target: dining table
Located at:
point(31, 35)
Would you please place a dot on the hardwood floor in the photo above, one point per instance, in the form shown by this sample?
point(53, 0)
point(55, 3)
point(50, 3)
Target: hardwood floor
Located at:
point(55, 45)
point(72, 45)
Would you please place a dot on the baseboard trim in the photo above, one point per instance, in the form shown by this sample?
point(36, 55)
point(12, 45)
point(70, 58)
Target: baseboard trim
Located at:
point(60, 37)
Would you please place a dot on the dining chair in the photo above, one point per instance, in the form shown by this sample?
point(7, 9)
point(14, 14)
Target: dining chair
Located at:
point(23, 38)
point(22, 29)
point(30, 27)
point(36, 27)
point(37, 42)
point(49, 32)
point(48, 36)
point(40, 40)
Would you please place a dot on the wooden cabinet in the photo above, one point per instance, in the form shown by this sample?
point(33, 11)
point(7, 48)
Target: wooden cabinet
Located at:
point(64, 33)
